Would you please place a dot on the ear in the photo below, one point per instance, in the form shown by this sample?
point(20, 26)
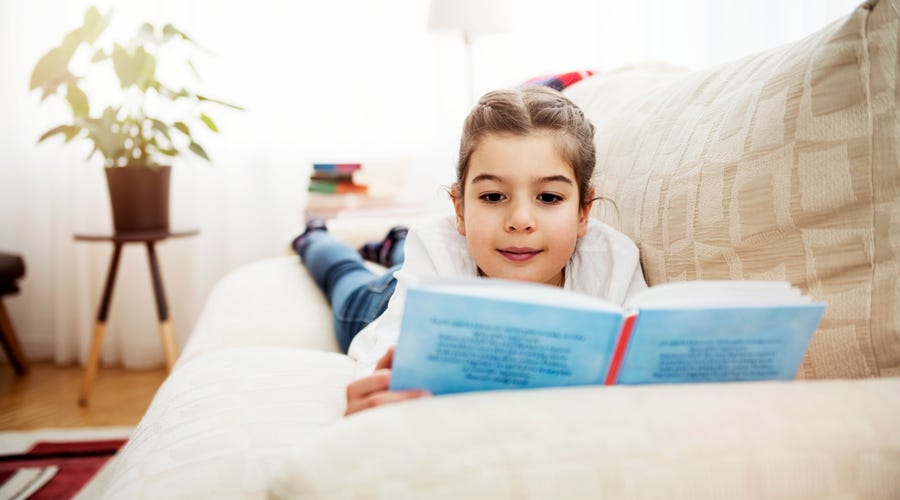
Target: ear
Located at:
point(584, 213)
point(456, 198)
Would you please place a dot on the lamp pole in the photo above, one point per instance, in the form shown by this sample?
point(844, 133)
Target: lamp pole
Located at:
point(471, 17)
point(470, 68)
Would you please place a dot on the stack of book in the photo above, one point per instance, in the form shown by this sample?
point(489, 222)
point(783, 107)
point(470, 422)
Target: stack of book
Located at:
point(339, 190)
point(336, 178)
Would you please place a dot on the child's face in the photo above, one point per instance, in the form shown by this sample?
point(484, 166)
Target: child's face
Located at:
point(521, 214)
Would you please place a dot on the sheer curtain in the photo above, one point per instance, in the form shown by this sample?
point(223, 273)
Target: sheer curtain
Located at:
point(344, 79)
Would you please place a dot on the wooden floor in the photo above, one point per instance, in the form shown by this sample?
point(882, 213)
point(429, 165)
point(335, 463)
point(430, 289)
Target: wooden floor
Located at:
point(47, 397)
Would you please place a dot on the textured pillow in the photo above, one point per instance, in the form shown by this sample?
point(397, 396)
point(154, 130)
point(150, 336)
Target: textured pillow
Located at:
point(782, 165)
point(803, 440)
point(559, 81)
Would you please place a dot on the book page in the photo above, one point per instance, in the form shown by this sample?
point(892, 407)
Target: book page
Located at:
point(518, 291)
point(718, 294)
point(720, 344)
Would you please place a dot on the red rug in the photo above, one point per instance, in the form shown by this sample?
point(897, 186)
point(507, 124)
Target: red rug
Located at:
point(54, 469)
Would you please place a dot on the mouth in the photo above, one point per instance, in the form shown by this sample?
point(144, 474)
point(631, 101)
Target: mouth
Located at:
point(519, 254)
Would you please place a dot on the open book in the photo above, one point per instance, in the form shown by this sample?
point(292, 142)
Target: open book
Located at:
point(483, 334)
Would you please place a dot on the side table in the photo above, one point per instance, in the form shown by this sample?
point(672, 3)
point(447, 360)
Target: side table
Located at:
point(167, 335)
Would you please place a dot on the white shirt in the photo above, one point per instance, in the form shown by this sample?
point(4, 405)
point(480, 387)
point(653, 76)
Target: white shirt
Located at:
point(605, 264)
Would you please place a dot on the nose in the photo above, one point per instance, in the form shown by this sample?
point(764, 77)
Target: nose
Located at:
point(520, 217)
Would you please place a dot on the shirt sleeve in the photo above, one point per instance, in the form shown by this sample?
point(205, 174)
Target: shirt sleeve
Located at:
point(373, 341)
point(638, 284)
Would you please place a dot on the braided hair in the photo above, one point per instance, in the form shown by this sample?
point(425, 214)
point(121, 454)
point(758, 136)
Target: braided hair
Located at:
point(524, 111)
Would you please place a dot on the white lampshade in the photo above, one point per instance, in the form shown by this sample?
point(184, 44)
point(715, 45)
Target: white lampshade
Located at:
point(472, 17)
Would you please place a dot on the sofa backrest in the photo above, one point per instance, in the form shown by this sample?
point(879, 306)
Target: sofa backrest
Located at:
point(782, 165)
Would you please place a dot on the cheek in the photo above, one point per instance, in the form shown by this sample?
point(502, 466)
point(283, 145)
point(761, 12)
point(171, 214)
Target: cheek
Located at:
point(566, 233)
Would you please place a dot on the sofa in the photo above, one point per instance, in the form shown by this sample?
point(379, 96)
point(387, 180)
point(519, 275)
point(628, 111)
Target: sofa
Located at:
point(782, 165)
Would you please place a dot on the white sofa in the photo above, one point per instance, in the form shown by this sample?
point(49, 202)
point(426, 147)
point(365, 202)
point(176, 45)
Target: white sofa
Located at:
point(781, 165)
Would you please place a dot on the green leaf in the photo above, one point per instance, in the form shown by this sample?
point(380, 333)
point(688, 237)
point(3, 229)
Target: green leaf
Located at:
point(94, 24)
point(69, 130)
point(148, 68)
point(193, 69)
point(51, 70)
point(170, 31)
point(182, 128)
point(223, 103)
point(122, 64)
point(209, 122)
point(133, 69)
point(169, 93)
point(146, 33)
point(110, 143)
point(72, 40)
point(198, 150)
point(110, 116)
point(73, 131)
point(99, 55)
point(78, 101)
point(162, 128)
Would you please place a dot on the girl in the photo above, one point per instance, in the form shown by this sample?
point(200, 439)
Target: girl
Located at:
point(522, 200)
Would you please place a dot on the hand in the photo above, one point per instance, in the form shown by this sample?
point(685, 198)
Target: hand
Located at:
point(372, 391)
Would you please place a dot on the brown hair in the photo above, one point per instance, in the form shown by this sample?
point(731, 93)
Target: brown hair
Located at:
point(526, 110)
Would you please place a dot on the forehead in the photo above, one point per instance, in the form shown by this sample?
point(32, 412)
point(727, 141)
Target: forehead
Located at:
point(513, 156)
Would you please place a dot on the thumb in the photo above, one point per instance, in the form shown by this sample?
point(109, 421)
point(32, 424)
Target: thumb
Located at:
point(387, 360)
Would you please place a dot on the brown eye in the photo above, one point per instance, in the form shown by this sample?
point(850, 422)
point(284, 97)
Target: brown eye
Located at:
point(550, 198)
point(492, 197)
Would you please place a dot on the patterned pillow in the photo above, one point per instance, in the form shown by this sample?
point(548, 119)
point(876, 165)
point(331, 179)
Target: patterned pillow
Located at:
point(560, 81)
point(782, 165)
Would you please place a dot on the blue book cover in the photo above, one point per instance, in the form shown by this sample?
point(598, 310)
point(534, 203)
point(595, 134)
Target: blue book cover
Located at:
point(475, 335)
point(456, 342)
point(718, 344)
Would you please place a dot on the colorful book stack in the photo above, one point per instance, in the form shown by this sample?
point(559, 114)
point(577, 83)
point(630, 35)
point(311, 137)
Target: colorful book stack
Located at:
point(336, 178)
point(343, 190)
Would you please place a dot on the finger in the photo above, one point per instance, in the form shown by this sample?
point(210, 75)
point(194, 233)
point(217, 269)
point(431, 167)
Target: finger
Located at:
point(360, 388)
point(383, 398)
point(386, 360)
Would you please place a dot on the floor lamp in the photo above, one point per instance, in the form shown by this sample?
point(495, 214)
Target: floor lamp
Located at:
point(470, 18)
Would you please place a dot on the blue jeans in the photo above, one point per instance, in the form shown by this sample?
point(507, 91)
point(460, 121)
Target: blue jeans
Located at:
point(357, 295)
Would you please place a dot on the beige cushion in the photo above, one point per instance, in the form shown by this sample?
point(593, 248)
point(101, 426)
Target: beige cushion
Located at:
point(782, 165)
point(801, 440)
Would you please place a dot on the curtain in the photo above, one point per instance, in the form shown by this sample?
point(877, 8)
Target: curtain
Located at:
point(343, 80)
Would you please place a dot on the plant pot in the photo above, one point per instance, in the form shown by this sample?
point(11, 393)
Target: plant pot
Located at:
point(139, 197)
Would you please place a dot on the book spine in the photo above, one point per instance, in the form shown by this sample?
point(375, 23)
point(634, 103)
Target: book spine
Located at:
point(330, 187)
point(621, 346)
point(321, 175)
point(337, 167)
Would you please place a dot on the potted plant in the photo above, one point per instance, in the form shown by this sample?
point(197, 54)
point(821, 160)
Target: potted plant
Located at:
point(144, 125)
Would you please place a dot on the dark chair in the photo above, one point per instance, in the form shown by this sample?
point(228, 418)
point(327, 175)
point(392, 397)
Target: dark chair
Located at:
point(12, 267)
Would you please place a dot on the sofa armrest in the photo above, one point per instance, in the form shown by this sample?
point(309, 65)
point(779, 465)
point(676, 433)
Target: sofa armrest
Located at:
point(271, 302)
point(220, 424)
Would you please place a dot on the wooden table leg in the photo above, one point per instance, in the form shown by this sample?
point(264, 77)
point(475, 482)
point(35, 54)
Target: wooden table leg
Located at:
point(166, 333)
point(90, 371)
point(11, 347)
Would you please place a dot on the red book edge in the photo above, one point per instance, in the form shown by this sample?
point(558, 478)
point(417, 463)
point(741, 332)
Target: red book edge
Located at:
point(348, 187)
point(621, 347)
